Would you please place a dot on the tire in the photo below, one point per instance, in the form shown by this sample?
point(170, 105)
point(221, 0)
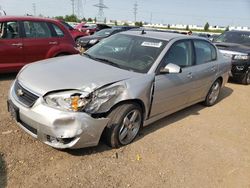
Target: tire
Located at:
point(246, 78)
point(213, 93)
point(124, 125)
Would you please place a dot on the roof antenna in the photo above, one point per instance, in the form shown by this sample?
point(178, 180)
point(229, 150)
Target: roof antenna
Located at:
point(143, 32)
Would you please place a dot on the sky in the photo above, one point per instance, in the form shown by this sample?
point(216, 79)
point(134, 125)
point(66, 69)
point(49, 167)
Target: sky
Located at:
point(191, 12)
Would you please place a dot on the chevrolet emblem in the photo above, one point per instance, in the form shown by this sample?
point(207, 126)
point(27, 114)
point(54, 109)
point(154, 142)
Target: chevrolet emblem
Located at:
point(20, 92)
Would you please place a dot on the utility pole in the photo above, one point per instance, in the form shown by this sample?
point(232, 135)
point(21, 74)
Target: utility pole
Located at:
point(135, 11)
point(34, 8)
point(79, 9)
point(73, 6)
point(151, 17)
point(101, 6)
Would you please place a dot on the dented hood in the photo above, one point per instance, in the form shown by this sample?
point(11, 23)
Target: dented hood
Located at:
point(70, 72)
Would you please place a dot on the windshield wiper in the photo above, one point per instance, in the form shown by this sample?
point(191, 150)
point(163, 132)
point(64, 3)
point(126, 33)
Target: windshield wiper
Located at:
point(103, 60)
point(109, 62)
point(88, 55)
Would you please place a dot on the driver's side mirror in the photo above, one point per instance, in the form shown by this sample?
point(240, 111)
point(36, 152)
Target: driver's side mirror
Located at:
point(170, 69)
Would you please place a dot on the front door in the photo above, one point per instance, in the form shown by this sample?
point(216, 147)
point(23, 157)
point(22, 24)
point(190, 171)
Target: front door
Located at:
point(172, 91)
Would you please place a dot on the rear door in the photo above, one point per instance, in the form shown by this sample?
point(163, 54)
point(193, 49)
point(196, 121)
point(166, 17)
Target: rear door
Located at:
point(205, 69)
point(11, 47)
point(172, 91)
point(38, 40)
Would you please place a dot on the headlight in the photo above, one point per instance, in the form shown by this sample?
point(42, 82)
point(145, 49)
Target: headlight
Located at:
point(93, 41)
point(68, 100)
point(240, 57)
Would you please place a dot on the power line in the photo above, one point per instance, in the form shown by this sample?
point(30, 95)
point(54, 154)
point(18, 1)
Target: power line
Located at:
point(101, 6)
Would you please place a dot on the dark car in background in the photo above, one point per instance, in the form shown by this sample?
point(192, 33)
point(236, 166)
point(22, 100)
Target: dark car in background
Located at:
point(75, 33)
point(236, 45)
point(25, 39)
point(126, 28)
point(85, 43)
point(91, 29)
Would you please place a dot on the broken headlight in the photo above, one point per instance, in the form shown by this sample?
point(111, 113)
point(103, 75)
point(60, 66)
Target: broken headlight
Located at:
point(103, 96)
point(68, 100)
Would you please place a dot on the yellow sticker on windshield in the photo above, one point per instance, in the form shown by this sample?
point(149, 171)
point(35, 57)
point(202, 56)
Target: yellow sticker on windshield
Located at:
point(152, 44)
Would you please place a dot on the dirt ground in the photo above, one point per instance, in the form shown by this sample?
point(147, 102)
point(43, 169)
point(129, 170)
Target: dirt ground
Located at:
point(196, 147)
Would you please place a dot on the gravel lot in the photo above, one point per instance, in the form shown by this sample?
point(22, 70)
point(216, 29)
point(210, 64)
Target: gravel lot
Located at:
point(196, 147)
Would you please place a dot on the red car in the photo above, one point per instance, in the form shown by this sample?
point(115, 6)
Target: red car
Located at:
point(91, 29)
point(27, 39)
point(75, 33)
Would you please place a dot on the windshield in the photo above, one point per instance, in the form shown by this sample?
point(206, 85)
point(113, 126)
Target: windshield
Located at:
point(128, 52)
point(234, 37)
point(104, 32)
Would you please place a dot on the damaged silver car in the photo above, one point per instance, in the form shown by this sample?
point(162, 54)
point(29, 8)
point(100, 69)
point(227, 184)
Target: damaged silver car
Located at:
point(123, 83)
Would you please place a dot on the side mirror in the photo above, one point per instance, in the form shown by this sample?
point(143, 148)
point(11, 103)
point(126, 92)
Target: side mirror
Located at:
point(170, 69)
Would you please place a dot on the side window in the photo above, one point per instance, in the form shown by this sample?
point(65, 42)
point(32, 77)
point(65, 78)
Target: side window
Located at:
point(58, 31)
point(9, 30)
point(180, 53)
point(36, 29)
point(204, 51)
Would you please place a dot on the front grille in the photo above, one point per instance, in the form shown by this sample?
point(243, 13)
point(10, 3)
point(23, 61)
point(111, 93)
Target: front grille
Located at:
point(25, 96)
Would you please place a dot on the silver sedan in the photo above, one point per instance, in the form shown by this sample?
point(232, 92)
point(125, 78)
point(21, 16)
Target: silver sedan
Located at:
point(123, 83)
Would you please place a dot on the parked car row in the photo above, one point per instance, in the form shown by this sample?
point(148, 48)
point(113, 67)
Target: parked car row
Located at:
point(121, 84)
point(27, 39)
point(85, 43)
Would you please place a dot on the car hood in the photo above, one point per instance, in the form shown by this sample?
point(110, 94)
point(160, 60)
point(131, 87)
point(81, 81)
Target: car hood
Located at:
point(70, 72)
point(91, 37)
point(233, 47)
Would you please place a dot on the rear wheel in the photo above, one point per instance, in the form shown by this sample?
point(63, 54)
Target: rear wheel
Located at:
point(125, 123)
point(246, 78)
point(213, 93)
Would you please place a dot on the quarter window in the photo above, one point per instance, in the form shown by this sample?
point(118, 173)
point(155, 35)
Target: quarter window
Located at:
point(204, 51)
point(36, 30)
point(58, 31)
point(9, 30)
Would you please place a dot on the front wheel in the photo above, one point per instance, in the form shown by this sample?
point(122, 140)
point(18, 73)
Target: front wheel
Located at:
point(213, 94)
point(125, 123)
point(246, 79)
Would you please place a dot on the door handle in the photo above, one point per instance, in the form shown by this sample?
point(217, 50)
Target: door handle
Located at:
point(53, 43)
point(17, 44)
point(190, 75)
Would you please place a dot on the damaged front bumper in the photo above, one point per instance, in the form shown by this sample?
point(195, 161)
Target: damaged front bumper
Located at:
point(59, 129)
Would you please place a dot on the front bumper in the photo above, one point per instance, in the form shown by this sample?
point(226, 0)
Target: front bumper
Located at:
point(57, 128)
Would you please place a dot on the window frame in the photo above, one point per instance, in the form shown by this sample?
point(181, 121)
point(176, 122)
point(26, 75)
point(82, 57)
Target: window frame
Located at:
point(213, 47)
point(20, 33)
point(54, 33)
point(175, 43)
point(37, 21)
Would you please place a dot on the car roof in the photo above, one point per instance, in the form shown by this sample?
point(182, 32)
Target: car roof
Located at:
point(17, 18)
point(167, 36)
point(238, 31)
